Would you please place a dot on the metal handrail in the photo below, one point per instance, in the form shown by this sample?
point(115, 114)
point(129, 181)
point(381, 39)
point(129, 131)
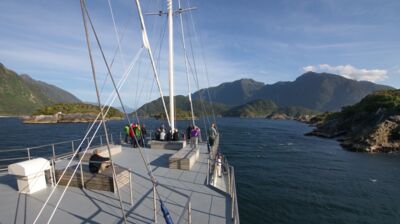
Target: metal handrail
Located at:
point(232, 191)
point(14, 158)
point(188, 207)
point(50, 152)
point(231, 188)
point(50, 144)
point(12, 150)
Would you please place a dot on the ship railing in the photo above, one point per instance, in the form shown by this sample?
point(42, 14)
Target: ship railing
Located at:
point(212, 173)
point(54, 151)
point(211, 162)
point(230, 186)
point(232, 193)
point(186, 215)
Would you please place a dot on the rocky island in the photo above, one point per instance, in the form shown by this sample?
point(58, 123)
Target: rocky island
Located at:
point(372, 125)
point(69, 113)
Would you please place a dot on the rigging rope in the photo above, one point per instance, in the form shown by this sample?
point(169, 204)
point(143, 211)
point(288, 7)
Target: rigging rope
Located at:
point(110, 100)
point(117, 35)
point(204, 63)
point(116, 89)
point(195, 76)
point(101, 108)
point(153, 179)
point(148, 47)
point(114, 56)
point(84, 9)
point(186, 64)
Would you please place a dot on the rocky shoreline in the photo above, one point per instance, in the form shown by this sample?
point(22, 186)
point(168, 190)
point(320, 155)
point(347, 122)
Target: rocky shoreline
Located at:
point(62, 118)
point(379, 135)
point(280, 116)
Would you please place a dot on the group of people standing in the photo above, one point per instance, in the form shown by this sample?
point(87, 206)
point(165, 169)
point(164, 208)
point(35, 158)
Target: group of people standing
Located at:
point(136, 133)
point(161, 134)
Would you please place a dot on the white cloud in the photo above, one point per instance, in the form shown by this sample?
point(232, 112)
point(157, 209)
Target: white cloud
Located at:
point(350, 72)
point(310, 68)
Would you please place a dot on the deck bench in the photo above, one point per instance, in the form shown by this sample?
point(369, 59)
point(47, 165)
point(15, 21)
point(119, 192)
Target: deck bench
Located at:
point(173, 145)
point(95, 181)
point(184, 159)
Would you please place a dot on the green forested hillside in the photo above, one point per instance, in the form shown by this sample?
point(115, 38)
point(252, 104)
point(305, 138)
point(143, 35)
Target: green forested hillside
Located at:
point(257, 108)
point(21, 95)
point(73, 108)
point(264, 108)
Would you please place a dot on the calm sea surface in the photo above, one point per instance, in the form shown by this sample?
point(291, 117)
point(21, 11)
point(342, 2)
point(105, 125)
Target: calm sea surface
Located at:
point(282, 176)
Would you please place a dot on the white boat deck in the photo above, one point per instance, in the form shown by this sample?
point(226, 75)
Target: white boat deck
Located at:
point(88, 206)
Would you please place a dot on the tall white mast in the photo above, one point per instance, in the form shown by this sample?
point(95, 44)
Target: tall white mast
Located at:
point(171, 63)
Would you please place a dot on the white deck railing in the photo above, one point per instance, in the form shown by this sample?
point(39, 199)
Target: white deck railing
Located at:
point(231, 185)
point(54, 151)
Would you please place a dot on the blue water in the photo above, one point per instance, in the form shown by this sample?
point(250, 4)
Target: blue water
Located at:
point(282, 176)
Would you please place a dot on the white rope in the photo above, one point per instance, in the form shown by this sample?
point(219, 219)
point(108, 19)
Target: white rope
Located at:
point(186, 64)
point(109, 71)
point(117, 35)
point(146, 43)
point(109, 100)
point(73, 174)
point(62, 175)
point(66, 187)
point(86, 18)
point(195, 77)
point(119, 97)
point(114, 56)
point(204, 63)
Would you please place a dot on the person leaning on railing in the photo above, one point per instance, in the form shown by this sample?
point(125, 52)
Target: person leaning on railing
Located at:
point(212, 134)
point(97, 163)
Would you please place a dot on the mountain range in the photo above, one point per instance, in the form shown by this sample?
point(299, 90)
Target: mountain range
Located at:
point(316, 91)
point(22, 95)
point(231, 93)
point(310, 92)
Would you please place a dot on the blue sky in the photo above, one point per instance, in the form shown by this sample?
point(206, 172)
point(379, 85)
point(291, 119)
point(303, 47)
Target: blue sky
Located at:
point(266, 40)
